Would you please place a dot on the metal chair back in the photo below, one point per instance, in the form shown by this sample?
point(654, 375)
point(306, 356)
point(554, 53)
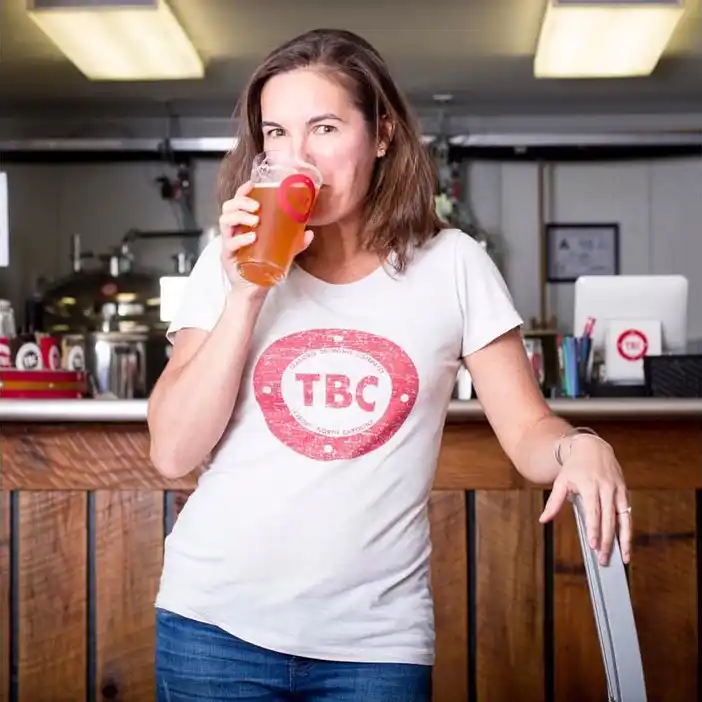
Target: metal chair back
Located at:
point(614, 617)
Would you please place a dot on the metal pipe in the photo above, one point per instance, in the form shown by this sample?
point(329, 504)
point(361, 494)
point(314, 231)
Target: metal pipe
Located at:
point(134, 234)
point(221, 145)
point(76, 261)
point(543, 252)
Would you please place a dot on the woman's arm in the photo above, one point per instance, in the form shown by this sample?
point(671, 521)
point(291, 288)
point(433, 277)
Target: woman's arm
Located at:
point(529, 433)
point(193, 400)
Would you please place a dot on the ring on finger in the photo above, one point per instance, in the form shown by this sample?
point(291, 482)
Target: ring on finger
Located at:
point(624, 511)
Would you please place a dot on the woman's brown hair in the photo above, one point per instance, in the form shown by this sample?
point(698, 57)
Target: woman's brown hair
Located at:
point(399, 212)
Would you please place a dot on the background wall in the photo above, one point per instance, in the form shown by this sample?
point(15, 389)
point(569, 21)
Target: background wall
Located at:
point(658, 205)
point(101, 202)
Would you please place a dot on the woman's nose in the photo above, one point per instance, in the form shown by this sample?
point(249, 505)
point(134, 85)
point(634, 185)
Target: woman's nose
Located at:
point(301, 150)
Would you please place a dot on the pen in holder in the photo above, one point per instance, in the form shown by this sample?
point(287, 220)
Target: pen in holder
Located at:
point(574, 362)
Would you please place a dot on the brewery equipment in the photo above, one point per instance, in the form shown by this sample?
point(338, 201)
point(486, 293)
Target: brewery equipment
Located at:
point(113, 311)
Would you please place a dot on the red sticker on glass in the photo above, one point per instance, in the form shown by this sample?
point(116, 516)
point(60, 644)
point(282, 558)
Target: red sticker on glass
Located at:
point(296, 197)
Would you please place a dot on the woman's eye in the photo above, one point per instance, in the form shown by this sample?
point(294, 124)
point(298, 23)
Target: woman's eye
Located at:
point(276, 132)
point(324, 129)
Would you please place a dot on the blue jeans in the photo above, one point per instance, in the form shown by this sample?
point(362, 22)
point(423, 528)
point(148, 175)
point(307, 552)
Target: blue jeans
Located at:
point(197, 662)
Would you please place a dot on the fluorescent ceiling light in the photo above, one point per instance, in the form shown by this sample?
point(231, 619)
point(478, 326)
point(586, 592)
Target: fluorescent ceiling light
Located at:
point(600, 39)
point(120, 40)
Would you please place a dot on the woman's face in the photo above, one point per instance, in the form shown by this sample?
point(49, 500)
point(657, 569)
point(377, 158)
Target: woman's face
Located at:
point(313, 117)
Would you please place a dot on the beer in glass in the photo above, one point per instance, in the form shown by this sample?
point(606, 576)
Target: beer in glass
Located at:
point(286, 190)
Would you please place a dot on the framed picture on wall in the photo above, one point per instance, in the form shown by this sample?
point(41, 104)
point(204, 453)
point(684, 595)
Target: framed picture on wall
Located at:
point(573, 250)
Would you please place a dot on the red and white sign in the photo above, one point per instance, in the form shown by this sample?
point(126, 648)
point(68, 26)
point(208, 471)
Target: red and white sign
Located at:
point(628, 342)
point(5, 353)
point(632, 344)
point(335, 394)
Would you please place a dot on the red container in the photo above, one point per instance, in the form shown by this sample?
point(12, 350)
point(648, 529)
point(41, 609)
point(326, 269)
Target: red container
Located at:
point(5, 352)
point(42, 384)
point(50, 351)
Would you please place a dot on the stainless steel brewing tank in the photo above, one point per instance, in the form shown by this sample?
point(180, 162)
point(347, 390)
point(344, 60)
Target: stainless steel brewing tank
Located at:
point(117, 313)
point(124, 364)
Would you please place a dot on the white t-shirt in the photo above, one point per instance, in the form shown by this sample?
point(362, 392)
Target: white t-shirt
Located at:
point(308, 534)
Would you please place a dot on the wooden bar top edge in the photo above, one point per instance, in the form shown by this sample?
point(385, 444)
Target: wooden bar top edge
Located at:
point(459, 411)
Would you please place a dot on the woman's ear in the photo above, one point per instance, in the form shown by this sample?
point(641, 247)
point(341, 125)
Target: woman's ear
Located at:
point(386, 131)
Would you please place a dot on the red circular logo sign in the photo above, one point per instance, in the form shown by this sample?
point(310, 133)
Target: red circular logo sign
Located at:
point(5, 354)
point(632, 345)
point(296, 197)
point(54, 358)
point(335, 394)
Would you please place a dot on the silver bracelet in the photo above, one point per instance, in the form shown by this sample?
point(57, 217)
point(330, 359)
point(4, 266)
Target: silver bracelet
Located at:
point(576, 432)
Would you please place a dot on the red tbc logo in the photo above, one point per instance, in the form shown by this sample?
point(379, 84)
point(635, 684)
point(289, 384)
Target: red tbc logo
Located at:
point(334, 394)
point(632, 345)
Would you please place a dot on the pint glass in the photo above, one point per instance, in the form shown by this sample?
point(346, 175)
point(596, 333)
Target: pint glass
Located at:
point(286, 190)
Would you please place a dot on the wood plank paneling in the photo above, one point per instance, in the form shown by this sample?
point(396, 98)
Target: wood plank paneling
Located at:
point(52, 457)
point(657, 455)
point(52, 597)
point(663, 583)
point(179, 500)
point(510, 596)
point(4, 595)
point(449, 573)
point(661, 460)
point(579, 670)
point(471, 458)
point(82, 457)
point(128, 559)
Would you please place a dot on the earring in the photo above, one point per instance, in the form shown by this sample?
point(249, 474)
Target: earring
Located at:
point(381, 153)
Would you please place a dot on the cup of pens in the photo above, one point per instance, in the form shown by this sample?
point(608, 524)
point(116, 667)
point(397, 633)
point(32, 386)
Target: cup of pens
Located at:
point(575, 361)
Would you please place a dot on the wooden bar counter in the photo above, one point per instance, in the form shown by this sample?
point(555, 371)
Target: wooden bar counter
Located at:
point(83, 516)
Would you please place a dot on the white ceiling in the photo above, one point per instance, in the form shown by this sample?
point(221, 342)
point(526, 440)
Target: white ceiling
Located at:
point(479, 50)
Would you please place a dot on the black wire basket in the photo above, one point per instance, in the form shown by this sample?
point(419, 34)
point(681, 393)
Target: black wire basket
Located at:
point(675, 376)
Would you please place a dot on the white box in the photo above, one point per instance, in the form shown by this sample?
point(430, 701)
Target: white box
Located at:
point(627, 342)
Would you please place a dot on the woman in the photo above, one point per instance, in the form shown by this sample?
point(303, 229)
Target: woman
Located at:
point(298, 569)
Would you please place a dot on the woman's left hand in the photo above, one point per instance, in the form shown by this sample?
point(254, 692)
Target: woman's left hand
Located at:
point(592, 471)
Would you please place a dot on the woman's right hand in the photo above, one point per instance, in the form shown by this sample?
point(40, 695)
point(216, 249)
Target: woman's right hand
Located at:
point(238, 214)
